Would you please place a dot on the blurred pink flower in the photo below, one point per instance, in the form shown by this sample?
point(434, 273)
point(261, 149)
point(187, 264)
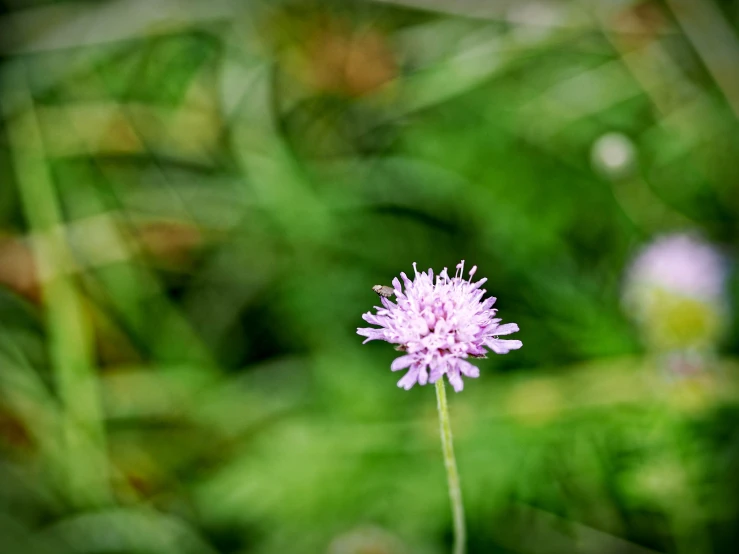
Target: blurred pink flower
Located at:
point(681, 264)
point(675, 290)
point(438, 325)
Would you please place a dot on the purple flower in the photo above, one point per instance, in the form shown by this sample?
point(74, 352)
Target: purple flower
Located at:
point(681, 264)
point(438, 325)
point(676, 291)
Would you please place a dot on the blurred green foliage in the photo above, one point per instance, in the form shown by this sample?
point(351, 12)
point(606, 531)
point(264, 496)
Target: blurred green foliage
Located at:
point(196, 198)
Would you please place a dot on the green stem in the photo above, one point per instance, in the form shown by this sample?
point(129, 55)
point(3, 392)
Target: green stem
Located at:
point(455, 492)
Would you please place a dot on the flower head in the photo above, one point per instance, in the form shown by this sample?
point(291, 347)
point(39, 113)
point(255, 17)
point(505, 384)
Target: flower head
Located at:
point(675, 289)
point(680, 264)
point(438, 324)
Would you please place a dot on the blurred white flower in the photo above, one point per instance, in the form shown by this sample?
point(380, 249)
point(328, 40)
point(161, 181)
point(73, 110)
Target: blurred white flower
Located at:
point(613, 155)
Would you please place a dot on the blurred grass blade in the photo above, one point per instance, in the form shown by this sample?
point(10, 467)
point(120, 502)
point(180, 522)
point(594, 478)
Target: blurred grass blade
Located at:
point(70, 346)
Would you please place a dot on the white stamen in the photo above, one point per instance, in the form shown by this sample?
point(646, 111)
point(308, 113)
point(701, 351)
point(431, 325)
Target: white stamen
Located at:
point(460, 269)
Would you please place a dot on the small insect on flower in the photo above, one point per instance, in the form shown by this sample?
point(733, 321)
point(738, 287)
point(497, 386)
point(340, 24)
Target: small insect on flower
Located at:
point(384, 290)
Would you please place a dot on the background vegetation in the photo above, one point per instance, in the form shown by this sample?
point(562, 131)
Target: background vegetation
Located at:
point(197, 197)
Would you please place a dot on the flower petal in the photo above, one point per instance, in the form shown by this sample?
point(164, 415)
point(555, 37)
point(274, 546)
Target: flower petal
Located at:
point(437, 370)
point(402, 362)
point(488, 303)
point(371, 334)
point(409, 379)
point(423, 376)
point(371, 318)
point(468, 369)
point(397, 288)
point(503, 346)
point(506, 329)
point(455, 379)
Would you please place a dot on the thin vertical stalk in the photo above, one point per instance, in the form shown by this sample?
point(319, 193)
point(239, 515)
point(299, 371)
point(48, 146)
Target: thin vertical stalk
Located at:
point(455, 492)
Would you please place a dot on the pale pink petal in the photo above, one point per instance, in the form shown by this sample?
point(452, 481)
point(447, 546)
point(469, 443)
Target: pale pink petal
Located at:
point(455, 379)
point(503, 346)
point(468, 369)
point(402, 362)
point(371, 334)
point(423, 375)
point(372, 319)
point(409, 379)
point(397, 288)
point(437, 370)
point(506, 329)
point(488, 303)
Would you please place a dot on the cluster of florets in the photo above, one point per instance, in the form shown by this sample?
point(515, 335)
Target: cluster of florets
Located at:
point(439, 324)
